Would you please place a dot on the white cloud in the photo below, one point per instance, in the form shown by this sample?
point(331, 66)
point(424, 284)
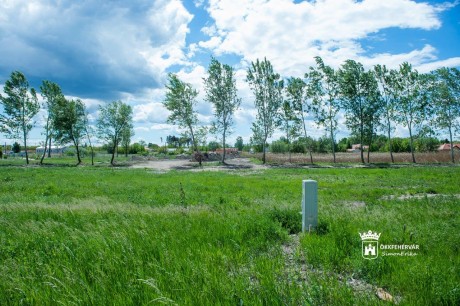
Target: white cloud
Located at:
point(94, 46)
point(290, 34)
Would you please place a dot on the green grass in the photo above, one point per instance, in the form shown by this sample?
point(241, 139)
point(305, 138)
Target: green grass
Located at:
point(97, 235)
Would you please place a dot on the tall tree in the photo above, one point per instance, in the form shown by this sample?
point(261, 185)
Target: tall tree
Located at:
point(126, 136)
point(20, 106)
point(446, 98)
point(358, 90)
point(221, 92)
point(267, 88)
point(239, 144)
point(113, 119)
point(89, 133)
point(180, 101)
point(295, 91)
point(289, 123)
point(51, 93)
point(324, 89)
point(389, 91)
point(69, 123)
point(412, 107)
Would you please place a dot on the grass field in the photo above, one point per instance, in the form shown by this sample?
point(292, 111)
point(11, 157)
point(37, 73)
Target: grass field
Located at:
point(119, 236)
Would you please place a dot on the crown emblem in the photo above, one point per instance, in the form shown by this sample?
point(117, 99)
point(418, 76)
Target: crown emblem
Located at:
point(369, 235)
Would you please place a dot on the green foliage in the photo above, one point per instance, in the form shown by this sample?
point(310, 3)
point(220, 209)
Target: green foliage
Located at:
point(16, 148)
point(20, 106)
point(113, 120)
point(69, 120)
point(412, 108)
point(279, 146)
point(214, 145)
point(221, 92)
point(360, 100)
point(267, 87)
point(324, 90)
point(446, 98)
point(51, 93)
point(180, 101)
point(239, 144)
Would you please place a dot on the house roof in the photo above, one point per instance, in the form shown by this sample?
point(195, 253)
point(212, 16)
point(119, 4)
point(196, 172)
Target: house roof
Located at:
point(446, 146)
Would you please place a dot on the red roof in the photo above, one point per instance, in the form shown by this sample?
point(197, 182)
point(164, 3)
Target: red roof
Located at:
point(446, 146)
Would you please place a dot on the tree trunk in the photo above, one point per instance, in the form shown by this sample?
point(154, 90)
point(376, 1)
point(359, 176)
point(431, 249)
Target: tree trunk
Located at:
point(25, 147)
point(361, 144)
point(115, 145)
point(91, 147)
point(49, 147)
point(389, 140)
point(369, 149)
point(451, 145)
point(333, 143)
point(46, 139)
point(78, 152)
point(288, 141)
point(263, 153)
point(195, 145)
point(223, 146)
point(411, 145)
point(305, 135)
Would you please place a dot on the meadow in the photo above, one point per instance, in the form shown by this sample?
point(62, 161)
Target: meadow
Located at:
point(119, 236)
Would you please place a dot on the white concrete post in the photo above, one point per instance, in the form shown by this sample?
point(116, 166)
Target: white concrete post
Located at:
point(309, 205)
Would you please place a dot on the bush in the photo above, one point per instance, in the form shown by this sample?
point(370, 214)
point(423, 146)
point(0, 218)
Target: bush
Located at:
point(16, 147)
point(278, 147)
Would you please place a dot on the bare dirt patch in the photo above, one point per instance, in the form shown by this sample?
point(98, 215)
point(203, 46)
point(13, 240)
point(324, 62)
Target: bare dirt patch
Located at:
point(181, 164)
point(418, 196)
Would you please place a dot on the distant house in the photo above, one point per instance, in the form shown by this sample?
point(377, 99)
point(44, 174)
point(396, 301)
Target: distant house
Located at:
point(54, 150)
point(446, 147)
point(356, 148)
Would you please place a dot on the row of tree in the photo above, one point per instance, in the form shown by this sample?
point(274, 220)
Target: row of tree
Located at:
point(372, 100)
point(66, 120)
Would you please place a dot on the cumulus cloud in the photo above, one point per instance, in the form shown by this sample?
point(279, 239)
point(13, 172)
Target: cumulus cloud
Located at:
point(93, 48)
point(290, 34)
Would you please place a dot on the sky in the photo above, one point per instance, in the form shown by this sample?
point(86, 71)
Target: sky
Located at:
point(102, 51)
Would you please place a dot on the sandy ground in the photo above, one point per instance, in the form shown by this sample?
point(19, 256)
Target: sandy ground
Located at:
point(178, 164)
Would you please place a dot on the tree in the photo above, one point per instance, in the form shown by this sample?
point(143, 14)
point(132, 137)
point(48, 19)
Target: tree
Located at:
point(446, 98)
point(239, 144)
point(412, 107)
point(324, 90)
point(16, 147)
point(221, 92)
point(289, 122)
point(51, 93)
point(126, 134)
point(113, 119)
point(267, 88)
point(180, 101)
point(88, 133)
point(20, 106)
point(358, 95)
point(69, 123)
point(295, 91)
point(389, 91)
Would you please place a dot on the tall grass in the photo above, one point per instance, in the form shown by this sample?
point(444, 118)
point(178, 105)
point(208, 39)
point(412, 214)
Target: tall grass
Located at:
point(92, 236)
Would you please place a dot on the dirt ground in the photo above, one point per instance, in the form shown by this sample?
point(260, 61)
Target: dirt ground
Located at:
point(180, 164)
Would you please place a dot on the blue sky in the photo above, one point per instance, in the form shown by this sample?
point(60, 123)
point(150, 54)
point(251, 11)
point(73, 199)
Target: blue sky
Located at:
point(102, 51)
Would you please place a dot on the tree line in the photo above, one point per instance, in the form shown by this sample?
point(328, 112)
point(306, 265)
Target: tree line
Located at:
point(66, 120)
point(372, 100)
